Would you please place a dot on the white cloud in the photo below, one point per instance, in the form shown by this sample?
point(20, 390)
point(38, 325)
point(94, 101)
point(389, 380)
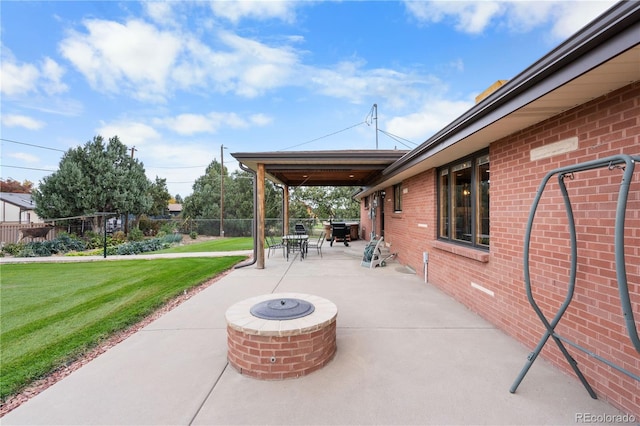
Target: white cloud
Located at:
point(189, 124)
point(434, 115)
point(260, 119)
point(52, 75)
point(161, 12)
point(114, 57)
point(564, 17)
point(469, 16)
point(572, 16)
point(353, 82)
point(149, 63)
point(256, 66)
point(235, 10)
point(130, 133)
point(23, 156)
point(16, 120)
point(17, 78)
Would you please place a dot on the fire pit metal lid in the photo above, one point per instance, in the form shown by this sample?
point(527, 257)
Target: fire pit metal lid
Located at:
point(282, 309)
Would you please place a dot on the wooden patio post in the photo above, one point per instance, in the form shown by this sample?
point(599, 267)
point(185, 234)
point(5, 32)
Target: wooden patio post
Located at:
point(260, 219)
point(285, 210)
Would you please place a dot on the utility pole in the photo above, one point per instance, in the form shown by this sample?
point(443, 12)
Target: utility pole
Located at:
point(222, 147)
point(126, 217)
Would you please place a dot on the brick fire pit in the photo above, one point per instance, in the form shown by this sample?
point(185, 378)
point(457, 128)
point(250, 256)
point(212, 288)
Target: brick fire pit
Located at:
point(276, 349)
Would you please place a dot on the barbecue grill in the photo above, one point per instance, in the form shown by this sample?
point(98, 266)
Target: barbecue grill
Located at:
point(340, 232)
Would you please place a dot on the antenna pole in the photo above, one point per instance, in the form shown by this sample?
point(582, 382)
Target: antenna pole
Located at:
point(375, 117)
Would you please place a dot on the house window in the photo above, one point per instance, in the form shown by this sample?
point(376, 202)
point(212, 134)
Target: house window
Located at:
point(397, 198)
point(463, 201)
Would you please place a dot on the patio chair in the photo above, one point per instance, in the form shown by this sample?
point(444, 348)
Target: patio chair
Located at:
point(272, 244)
point(317, 244)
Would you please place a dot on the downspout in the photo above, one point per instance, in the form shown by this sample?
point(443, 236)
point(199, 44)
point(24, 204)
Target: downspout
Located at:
point(255, 218)
point(281, 188)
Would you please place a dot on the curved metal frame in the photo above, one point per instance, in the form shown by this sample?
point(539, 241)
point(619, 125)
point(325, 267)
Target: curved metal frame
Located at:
point(621, 274)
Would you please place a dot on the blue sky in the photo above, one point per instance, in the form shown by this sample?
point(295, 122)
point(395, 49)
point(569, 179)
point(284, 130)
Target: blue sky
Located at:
point(177, 80)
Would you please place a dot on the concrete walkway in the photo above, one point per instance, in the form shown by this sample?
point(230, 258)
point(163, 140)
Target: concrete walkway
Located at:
point(407, 354)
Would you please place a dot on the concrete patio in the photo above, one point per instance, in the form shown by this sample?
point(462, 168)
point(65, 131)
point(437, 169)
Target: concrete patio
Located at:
point(407, 354)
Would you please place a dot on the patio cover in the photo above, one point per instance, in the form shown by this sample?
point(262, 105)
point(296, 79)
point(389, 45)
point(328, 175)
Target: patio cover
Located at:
point(311, 168)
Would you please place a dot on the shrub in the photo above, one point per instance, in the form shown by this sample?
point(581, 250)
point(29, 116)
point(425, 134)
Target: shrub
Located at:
point(63, 243)
point(13, 249)
point(148, 226)
point(94, 240)
point(135, 234)
point(169, 227)
point(135, 247)
point(193, 235)
point(172, 238)
point(118, 237)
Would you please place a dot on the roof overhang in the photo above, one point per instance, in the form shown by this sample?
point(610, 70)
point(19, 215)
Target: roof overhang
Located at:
point(321, 168)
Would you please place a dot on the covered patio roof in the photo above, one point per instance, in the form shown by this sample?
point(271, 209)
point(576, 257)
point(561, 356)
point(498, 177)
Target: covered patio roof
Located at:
point(321, 168)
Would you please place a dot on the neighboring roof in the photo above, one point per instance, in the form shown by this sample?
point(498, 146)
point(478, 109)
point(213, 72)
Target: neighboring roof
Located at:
point(24, 201)
point(321, 168)
point(175, 207)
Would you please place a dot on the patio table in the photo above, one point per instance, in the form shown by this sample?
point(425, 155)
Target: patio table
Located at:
point(296, 242)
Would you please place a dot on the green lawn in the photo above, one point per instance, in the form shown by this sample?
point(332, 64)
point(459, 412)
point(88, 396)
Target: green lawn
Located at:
point(222, 244)
point(51, 313)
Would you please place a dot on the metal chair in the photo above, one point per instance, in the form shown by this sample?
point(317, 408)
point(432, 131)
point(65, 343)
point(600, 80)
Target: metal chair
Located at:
point(318, 244)
point(272, 244)
point(300, 229)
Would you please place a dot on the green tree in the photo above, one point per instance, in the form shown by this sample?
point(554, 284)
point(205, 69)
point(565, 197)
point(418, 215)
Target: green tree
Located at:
point(324, 202)
point(204, 201)
point(160, 196)
point(97, 177)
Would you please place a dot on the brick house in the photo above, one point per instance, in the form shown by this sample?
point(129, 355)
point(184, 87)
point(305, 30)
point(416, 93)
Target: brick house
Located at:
point(579, 103)
point(463, 199)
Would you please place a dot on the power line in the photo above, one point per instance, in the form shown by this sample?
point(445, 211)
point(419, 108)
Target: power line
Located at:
point(30, 144)
point(325, 136)
point(28, 168)
point(176, 167)
point(398, 139)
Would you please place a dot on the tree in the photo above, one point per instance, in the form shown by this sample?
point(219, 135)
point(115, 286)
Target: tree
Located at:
point(15, 186)
point(96, 177)
point(325, 202)
point(160, 197)
point(204, 202)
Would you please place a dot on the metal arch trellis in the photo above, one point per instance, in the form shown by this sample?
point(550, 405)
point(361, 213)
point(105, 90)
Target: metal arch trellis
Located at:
point(104, 215)
point(627, 164)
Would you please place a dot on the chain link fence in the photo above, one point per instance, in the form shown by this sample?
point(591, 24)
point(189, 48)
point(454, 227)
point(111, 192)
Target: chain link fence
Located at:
point(233, 227)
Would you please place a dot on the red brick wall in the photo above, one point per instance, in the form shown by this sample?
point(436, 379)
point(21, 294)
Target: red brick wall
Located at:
point(268, 357)
point(606, 126)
